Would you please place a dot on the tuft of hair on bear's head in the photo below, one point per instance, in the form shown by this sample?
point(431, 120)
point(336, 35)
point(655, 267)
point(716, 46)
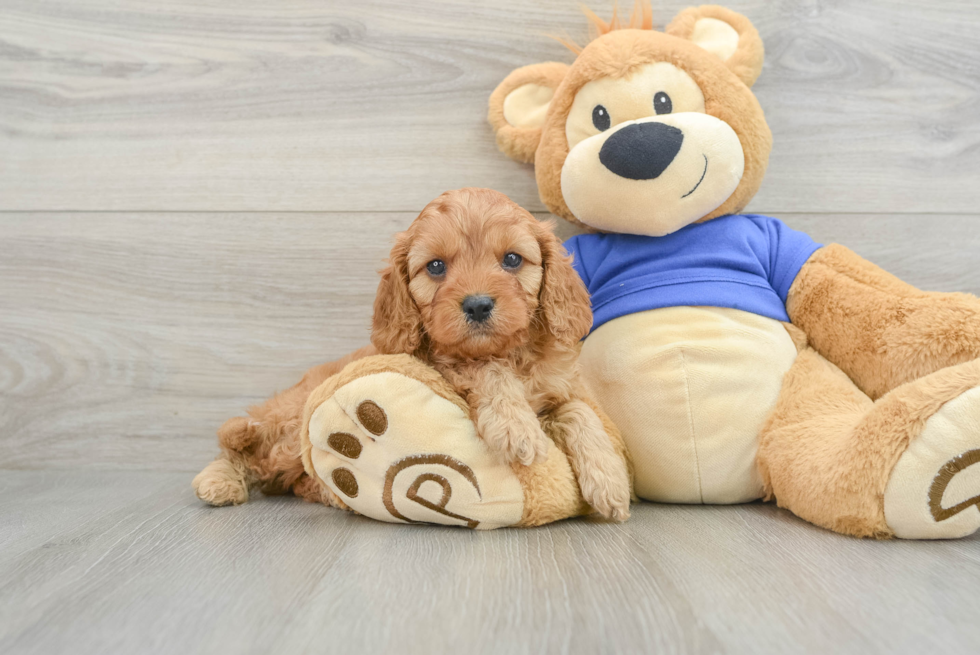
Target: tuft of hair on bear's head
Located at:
point(641, 18)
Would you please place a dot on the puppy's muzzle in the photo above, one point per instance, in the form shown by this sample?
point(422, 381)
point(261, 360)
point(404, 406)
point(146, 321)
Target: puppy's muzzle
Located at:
point(641, 151)
point(477, 308)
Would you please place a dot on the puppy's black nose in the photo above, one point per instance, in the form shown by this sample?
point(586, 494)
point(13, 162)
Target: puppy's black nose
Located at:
point(477, 308)
point(641, 151)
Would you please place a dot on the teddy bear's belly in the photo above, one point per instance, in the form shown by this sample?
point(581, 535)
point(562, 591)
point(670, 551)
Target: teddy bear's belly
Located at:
point(690, 388)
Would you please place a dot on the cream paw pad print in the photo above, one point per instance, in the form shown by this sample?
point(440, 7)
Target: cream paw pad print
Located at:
point(392, 448)
point(934, 489)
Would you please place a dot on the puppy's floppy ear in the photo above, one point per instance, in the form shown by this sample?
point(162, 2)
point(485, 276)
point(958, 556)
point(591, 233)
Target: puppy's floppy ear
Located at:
point(518, 107)
point(563, 298)
point(724, 33)
point(397, 324)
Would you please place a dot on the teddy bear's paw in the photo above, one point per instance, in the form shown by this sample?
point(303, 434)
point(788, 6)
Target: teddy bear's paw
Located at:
point(394, 450)
point(605, 486)
point(934, 489)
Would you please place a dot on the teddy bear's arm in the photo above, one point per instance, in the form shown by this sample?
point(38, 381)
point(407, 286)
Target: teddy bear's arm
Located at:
point(879, 330)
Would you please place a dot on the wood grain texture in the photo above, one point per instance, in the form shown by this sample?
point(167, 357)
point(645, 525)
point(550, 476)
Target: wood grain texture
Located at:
point(281, 144)
point(117, 323)
point(127, 339)
point(133, 563)
point(380, 105)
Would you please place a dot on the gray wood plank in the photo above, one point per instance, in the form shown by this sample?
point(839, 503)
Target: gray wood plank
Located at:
point(380, 104)
point(127, 339)
point(113, 325)
point(160, 573)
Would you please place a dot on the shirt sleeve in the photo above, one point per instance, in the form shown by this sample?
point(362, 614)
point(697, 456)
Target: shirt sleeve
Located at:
point(574, 248)
point(789, 249)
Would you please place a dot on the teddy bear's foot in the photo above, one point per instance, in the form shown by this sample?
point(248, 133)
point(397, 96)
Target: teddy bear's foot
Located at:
point(934, 489)
point(394, 450)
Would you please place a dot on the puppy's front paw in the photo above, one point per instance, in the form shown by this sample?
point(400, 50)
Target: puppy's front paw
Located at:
point(518, 437)
point(605, 486)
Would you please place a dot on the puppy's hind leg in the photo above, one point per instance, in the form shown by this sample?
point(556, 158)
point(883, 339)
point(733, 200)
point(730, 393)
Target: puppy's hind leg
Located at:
point(263, 450)
point(226, 480)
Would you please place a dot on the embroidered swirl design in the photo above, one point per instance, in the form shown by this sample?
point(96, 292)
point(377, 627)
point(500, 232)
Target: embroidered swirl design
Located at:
point(413, 489)
point(943, 478)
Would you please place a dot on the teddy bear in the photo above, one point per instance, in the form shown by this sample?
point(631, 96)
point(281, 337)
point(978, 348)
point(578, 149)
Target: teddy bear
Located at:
point(740, 359)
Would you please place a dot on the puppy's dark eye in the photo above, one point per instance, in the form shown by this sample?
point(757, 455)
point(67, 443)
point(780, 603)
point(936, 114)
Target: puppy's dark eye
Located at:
point(662, 103)
point(512, 260)
point(436, 267)
point(600, 118)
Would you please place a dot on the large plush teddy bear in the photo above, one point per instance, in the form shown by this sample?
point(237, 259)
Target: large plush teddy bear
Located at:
point(740, 359)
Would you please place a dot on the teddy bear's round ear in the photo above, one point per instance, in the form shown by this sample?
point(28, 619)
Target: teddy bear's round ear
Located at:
point(518, 107)
point(724, 33)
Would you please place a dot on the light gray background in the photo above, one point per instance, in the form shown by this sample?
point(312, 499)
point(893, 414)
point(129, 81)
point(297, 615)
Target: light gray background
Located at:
point(194, 199)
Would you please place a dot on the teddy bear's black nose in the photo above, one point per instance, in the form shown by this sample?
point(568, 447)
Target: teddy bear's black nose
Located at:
point(641, 151)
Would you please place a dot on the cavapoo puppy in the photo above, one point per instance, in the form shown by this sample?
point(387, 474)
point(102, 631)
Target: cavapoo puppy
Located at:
point(483, 292)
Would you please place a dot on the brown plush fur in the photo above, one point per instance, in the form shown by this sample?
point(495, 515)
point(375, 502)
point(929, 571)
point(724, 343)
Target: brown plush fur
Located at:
point(746, 63)
point(881, 331)
point(520, 363)
point(640, 19)
point(520, 143)
point(827, 450)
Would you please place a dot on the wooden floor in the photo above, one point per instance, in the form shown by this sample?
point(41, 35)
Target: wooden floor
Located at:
point(131, 562)
point(194, 198)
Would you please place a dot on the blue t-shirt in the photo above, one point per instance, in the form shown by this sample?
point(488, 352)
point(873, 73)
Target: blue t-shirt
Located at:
point(745, 262)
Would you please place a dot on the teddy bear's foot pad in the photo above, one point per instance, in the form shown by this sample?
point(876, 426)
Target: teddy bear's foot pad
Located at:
point(934, 489)
point(394, 450)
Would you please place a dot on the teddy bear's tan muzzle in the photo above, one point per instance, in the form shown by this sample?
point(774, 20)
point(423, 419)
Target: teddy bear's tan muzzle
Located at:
point(654, 175)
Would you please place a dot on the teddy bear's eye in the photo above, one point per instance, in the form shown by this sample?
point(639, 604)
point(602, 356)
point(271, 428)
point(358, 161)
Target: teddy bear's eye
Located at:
point(600, 118)
point(662, 103)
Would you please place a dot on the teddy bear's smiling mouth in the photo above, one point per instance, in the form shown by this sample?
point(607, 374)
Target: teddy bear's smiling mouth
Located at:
point(703, 173)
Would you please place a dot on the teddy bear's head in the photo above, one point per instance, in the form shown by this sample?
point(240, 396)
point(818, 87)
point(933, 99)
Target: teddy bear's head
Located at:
point(646, 131)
